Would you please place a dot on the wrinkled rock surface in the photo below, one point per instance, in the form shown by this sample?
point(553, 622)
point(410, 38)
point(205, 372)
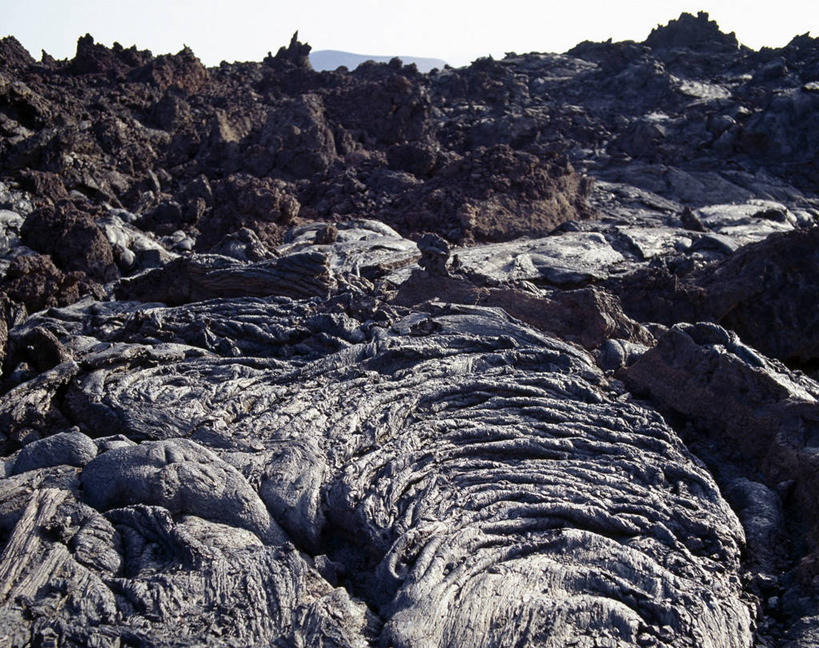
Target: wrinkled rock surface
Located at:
point(517, 354)
point(509, 455)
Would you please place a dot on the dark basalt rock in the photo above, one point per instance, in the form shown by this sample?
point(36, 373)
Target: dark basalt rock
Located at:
point(39, 348)
point(181, 477)
point(296, 54)
point(64, 448)
point(183, 71)
point(413, 158)
point(13, 54)
point(296, 139)
point(748, 409)
point(434, 254)
point(72, 239)
point(692, 32)
point(203, 277)
point(36, 283)
point(245, 245)
point(691, 222)
point(94, 58)
point(762, 291)
point(390, 110)
point(517, 354)
point(588, 316)
point(243, 200)
point(521, 411)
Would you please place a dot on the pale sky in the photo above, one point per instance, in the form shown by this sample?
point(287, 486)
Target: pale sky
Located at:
point(457, 31)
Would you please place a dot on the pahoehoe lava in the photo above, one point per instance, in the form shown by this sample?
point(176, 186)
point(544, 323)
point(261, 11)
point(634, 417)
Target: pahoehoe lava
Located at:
point(520, 354)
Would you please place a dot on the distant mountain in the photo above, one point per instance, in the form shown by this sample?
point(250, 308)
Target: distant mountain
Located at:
point(332, 59)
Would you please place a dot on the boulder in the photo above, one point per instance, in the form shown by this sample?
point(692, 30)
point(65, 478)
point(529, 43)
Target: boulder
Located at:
point(182, 477)
point(64, 448)
point(72, 239)
point(764, 292)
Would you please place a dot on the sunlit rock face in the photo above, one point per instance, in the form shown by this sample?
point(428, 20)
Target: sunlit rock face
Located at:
point(469, 478)
point(518, 354)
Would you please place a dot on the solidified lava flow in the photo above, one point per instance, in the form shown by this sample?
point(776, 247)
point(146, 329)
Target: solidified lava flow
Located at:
point(521, 354)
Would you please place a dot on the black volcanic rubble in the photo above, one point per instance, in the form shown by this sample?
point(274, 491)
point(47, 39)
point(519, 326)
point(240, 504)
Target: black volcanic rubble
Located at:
point(518, 354)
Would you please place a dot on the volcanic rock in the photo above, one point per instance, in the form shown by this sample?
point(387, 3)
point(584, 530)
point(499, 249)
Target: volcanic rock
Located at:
point(64, 448)
point(13, 54)
point(762, 291)
point(692, 32)
point(35, 282)
point(434, 254)
point(767, 414)
point(72, 239)
point(521, 353)
point(202, 277)
point(527, 402)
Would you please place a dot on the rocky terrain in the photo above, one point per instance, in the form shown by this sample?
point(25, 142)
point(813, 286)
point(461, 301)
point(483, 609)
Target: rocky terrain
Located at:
point(518, 354)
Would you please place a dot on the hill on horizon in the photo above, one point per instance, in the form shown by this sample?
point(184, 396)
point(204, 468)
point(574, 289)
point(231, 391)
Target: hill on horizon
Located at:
point(333, 59)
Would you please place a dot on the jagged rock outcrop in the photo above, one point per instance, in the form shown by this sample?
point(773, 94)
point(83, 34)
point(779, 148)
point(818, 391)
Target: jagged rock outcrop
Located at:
point(739, 396)
point(763, 291)
point(14, 54)
point(692, 33)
